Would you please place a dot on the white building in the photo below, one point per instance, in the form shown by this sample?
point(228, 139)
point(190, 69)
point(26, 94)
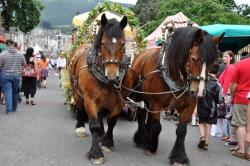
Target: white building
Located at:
point(50, 41)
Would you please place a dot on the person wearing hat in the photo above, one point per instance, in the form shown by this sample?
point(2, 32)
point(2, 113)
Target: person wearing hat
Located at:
point(61, 63)
point(11, 63)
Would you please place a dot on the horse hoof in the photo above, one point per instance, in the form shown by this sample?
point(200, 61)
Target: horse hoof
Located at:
point(81, 132)
point(148, 153)
point(179, 164)
point(98, 161)
point(107, 149)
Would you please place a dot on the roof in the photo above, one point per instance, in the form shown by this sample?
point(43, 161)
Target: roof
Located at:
point(156, 35)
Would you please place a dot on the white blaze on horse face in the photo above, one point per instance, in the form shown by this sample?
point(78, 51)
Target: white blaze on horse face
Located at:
point(114, 40)
point(202, 82)
point(111, 72)
point(106, 72)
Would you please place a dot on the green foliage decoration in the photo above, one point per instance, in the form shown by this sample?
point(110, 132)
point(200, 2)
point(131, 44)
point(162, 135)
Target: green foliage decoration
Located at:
point(67, 88)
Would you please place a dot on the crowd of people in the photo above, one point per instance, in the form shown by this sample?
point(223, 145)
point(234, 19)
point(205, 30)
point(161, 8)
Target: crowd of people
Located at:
point(229, 83)
point(23, 73)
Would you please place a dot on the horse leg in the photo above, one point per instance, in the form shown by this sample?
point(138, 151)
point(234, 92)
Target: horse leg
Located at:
point(140, 134)
point(81, 117)
point(107, 140)
point(178, 154)
point(153, 127)
point(95, 154)
point(100, 118)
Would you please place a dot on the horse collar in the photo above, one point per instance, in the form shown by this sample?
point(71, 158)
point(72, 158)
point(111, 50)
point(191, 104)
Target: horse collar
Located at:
point(98, 72)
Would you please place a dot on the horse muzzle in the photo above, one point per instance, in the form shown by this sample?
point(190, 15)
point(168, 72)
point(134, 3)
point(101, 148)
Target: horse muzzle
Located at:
point(112, 72)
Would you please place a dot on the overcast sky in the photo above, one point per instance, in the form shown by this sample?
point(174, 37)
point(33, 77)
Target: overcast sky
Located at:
point(238, 2)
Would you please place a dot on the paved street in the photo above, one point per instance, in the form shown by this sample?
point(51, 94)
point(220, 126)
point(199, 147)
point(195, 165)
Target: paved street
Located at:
point(43, 135)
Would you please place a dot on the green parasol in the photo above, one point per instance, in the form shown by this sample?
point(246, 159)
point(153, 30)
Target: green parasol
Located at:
point(235, 38)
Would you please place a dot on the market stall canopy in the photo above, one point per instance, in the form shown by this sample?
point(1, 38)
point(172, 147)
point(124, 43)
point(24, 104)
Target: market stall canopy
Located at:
point(157, 34)
point(235, 38)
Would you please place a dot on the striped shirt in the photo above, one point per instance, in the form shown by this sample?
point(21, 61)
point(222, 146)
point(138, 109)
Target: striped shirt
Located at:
point(11, 61)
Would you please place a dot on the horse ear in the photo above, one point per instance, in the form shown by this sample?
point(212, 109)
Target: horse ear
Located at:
point(104, 19)
point(198, 37)
point(218, 39)
point(124, 22)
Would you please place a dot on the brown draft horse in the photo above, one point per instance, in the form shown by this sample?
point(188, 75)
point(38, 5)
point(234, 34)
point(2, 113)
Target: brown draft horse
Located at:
point(183, 66)
point(94, 70)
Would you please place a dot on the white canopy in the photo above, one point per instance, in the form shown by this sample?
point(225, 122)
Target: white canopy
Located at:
point(156, 35)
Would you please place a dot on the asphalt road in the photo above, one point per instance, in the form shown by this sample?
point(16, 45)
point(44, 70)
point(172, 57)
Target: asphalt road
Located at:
point(43, 135)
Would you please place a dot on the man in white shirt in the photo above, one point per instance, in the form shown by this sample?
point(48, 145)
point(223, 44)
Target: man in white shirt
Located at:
point(60, 63)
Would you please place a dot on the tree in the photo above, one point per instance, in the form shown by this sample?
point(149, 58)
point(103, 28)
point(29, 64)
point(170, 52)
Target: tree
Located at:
point(202, 12)
point(23, 14)
point(146, 10)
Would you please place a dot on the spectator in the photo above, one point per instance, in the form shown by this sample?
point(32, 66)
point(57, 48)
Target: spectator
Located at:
point(52, 62)
point(240, 86)
point(43, 64)
point(29, 79)
point(207, 107)
point(248, 127)
point(11, 62)
point(224, 124)
point(2, 48)
point(61, 63)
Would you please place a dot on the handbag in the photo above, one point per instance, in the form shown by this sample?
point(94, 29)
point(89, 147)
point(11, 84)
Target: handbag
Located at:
point(221, 110)
point(28, 70)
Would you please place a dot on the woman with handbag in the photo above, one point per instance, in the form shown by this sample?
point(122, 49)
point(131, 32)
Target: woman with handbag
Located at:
point(29, 76)
point(207, 107)
point(225, 78)
point(43, 64)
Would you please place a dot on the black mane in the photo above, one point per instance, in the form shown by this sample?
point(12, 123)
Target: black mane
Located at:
point(180, 45)
point(112, 29)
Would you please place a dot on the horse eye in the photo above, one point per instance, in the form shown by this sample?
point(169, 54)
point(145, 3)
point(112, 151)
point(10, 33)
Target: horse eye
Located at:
point(193, 59)
point(102, 43)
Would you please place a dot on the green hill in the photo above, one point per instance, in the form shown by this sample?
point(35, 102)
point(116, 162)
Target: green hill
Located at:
point(61, 12)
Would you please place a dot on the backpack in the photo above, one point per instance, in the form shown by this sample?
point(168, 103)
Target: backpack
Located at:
point(28, 70)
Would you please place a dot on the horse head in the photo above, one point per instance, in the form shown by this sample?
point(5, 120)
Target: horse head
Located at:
point(110, 43)
point(202, 55)
point(191, 52)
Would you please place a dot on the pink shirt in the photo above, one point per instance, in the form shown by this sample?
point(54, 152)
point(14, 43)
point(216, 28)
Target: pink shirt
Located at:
point(226, 76)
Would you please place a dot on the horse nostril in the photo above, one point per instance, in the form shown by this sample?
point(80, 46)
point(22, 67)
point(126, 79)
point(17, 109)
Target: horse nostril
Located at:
point(192, 92)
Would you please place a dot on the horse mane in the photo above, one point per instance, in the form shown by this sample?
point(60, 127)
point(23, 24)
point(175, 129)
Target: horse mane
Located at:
point(180, 45)
point(112, 28)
